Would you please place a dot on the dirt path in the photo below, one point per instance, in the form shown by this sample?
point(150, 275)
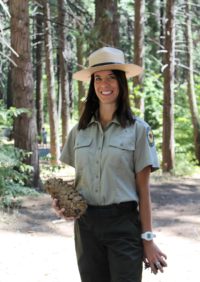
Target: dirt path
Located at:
point(36, 246)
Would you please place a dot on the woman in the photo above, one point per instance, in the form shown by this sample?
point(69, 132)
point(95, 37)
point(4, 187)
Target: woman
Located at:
point(113, 153)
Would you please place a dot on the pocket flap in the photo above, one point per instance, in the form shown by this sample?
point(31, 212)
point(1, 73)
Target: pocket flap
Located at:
point(122, 144)
point(83, 142)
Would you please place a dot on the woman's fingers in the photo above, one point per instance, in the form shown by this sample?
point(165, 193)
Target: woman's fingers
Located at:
point(59, 211)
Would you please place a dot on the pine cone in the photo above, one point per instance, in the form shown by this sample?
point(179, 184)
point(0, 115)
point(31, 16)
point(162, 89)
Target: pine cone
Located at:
point(68, 197)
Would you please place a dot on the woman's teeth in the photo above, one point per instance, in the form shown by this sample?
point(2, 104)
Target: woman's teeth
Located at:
point(106, 92)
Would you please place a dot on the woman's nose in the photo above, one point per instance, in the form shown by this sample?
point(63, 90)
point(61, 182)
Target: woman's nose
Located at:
point(105, 80)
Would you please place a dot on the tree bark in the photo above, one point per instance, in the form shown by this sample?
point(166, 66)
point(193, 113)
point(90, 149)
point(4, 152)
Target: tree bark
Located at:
point(9, 100)
point(54, 142)
point(69, 47)
point(25, 132)
point(139, 51)
point(106, 23)
point(168, 103)
point(190, 82)
point(63, 71)
point(38, 71)
point(162, 24)
point(81, 89)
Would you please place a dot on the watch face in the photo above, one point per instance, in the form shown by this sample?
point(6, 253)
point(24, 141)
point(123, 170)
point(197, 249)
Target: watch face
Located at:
point(149, 236)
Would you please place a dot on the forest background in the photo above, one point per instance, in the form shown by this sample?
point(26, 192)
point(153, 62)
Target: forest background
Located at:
point(42, 43)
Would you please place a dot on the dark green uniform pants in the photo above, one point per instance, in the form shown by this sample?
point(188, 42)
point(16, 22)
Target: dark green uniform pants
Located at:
point(108, 244)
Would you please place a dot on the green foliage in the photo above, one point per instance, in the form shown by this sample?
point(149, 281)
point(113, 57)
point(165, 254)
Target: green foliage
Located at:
point(13, 172)
point(185, 165)
point(183, 124)
point(13, 175)
point(197, 90)
point(153, 93)
point(7, 116)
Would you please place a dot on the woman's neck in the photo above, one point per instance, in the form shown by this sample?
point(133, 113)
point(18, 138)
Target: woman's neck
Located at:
point(106, 114)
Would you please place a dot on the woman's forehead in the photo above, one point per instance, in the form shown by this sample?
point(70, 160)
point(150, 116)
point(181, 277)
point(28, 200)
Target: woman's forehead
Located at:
point(103, 73)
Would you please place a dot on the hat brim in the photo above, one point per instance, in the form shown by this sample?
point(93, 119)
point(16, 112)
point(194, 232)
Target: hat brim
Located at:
point(131, 70)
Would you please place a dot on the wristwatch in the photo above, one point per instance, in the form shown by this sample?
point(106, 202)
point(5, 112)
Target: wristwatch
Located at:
point(148, 236)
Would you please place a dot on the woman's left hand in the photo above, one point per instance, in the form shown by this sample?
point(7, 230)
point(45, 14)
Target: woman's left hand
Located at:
point(154, 257)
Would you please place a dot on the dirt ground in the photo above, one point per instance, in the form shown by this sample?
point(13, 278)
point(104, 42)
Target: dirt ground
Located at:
point(37, 246)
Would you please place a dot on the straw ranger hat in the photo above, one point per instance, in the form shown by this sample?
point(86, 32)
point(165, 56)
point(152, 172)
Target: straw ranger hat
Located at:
point(107, 58)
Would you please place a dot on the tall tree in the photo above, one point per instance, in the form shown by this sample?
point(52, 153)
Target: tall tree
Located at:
point(106, 23)
point(64, 79)
point(38, 69)
point(81, 89)
point(25, 132)
point(190, 81)
point(139, 51)
point(168, 102)
point(52, 108)
point(162, 24)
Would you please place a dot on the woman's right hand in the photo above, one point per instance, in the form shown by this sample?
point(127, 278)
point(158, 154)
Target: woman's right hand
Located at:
point(58, 210)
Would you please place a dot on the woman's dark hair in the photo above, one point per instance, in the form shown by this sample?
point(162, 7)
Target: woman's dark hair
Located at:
point(123, 111)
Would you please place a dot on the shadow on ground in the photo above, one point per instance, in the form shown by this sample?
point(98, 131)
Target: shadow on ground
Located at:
point(35, 216)
point(175, 206)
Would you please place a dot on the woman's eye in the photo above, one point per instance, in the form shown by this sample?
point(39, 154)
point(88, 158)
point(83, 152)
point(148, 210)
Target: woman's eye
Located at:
point(97, 79)
point(108, 78)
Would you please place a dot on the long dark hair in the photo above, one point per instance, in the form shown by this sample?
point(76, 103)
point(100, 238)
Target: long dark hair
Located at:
point(123, 111)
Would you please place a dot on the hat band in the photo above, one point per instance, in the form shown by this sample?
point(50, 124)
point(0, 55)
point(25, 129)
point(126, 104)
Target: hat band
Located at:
point(104, 64)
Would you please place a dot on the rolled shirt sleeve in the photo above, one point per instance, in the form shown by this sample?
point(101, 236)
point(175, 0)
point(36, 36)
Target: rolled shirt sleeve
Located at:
point(145, 151)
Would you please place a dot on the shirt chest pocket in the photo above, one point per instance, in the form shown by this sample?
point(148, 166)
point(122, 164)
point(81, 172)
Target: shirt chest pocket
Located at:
point(82, 148)
point(121, 151)
point(122, 145)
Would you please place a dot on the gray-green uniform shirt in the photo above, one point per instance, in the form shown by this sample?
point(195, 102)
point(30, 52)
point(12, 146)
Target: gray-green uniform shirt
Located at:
point(106, 161)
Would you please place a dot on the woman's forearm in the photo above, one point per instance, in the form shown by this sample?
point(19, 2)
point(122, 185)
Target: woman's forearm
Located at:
point(142, 180)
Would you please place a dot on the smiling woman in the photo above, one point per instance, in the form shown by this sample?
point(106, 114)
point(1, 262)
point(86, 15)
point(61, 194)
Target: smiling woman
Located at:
point(119, 106)
point(113, 154)
point(107, 88)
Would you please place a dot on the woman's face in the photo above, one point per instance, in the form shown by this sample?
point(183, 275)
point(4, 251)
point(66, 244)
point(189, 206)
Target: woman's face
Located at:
point(106, 87)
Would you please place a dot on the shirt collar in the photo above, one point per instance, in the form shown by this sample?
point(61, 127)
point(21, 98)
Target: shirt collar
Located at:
point(95, 119)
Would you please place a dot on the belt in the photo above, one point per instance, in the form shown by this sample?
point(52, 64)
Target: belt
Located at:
point(113, 208)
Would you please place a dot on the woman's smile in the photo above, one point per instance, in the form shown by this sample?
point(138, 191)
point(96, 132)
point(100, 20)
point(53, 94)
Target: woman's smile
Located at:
point(106, 92)
point(106, 86)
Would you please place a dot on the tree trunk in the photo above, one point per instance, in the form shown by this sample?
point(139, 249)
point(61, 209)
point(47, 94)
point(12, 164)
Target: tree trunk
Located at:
point(81, 89)
point(168, 103)
point(25, 132)
point(9, 100)
point(58, 77)
point(54, 142)
point(190, 81)
point(38, 71)
point(69, 64)
point(162, 24)
point(139, 51)
point(106, 23)
point(65, 115)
